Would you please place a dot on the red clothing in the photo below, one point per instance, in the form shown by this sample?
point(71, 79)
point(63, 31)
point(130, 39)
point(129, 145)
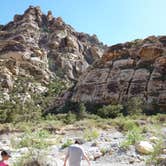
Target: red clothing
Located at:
point(3, 164)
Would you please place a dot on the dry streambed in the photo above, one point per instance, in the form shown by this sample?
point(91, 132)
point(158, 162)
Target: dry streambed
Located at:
point(104, 147)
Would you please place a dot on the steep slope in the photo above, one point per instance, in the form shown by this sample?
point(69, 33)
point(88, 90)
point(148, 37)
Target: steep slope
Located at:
point(35, 47)
point(132, 69)
point(34, 42)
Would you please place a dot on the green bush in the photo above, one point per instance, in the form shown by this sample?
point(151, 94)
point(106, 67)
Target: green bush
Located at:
point(67, 143)
point(32, 158)
point(132, 137)
point(127, 125)
point(16, 109)
point(70, 118)
point(158, 148)
point(134, 106)
point(76, 108)
point(3, 116)
point(81, 111)
point(91, 134)
point(34, 139)
point(110, 111)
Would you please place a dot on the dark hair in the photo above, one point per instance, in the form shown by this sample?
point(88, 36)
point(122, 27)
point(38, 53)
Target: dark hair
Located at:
point(5, 153)
point(78, 141)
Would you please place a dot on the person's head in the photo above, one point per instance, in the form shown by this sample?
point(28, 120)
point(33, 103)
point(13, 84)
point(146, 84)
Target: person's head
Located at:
point(78, 141)
point(5, 155)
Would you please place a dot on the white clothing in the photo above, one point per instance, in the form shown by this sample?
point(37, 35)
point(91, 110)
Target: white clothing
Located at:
point(75, 154)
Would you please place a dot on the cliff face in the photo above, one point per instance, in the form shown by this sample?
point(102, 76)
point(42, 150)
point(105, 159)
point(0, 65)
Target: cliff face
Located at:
point(132, 69)
point(41, 46)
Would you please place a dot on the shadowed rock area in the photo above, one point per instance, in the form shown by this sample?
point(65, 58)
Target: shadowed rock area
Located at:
point(132, 69)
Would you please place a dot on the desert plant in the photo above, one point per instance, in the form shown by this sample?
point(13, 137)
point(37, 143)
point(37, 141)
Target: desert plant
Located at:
point(34, 139)
point(91, 134)
point(70, 118)
point(154, 157)
point(67, 143)
point(132, 137)
point(134, 106)
point(110, 111)
point(126, 124)
point(104, 150)
point(31, 158)
point(77, 108)
point(20, 108)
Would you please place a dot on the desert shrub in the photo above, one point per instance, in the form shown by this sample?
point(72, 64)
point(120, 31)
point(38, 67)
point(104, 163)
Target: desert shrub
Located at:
point(158, 148)
point(127, 125)
point(31, 109)
point(34, 139)
point(134, 106)
point(81, 111)
point(31, 158)
point(15, 111)
point(104, 150)
point(67, 143)
point(76, 108)
point(93, 117)
point(3, 116)
point(110, 111)
point(132, 137)
point(55, 88)
point(91, 134)
point(70, 118)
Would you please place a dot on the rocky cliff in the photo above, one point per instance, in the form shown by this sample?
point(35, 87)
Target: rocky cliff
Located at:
point(36, 48)
point(132, 69)
point(40, 46)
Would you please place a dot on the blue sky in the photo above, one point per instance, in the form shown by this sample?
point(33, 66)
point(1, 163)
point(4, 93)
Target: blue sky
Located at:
point(113, 21)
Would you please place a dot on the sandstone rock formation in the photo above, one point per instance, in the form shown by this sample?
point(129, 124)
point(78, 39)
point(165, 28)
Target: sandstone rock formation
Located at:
point(132, 69)
point(39, 46)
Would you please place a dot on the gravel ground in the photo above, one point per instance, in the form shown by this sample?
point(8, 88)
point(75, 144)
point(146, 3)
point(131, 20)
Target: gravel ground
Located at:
point(110, 140)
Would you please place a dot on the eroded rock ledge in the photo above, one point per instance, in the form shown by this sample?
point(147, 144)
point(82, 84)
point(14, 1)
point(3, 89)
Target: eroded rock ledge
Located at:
point(132, 69)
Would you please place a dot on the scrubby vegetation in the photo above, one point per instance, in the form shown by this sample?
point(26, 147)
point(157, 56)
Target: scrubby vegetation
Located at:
point(26, 105)
point(110, 111)
point(91, 134)
point(25, 111)
point(132, 137)
point(154, 157)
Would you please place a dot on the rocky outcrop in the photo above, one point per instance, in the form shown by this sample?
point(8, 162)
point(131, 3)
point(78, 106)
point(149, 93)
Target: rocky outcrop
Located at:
point(40, 46)
point(132, 69)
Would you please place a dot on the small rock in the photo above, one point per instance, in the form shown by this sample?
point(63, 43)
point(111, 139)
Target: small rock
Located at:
point(144, 147)
point(153, 139)
point(94, 144)
point(164, 151)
